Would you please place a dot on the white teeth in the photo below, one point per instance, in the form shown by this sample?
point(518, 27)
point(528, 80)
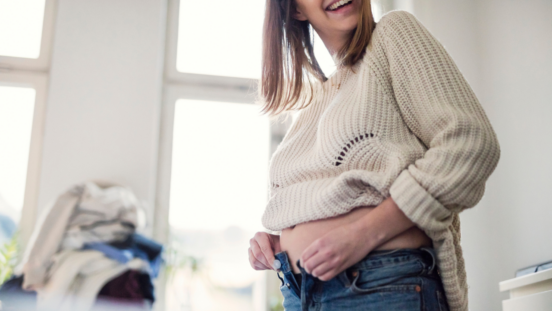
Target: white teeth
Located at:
point(339, 3)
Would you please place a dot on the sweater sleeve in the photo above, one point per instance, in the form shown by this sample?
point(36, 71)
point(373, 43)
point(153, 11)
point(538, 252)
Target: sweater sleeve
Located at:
point(439, 107)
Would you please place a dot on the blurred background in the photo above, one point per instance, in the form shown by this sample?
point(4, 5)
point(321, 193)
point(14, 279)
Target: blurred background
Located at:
point(159, 95)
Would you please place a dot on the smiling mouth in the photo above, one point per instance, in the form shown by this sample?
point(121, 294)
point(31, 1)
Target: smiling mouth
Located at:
point(338, 5)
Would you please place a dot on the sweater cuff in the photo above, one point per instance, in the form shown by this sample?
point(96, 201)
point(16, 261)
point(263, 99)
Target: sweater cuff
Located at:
point(418, 205)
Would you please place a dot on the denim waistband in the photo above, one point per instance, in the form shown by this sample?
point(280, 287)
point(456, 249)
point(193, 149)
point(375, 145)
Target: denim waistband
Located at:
point(375, 259)
point(386, 265)
point(285, 265)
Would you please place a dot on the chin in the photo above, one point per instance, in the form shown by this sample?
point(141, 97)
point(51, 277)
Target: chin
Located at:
point(348, 26)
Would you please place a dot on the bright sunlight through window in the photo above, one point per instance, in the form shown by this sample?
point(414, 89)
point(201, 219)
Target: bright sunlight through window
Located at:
point(218, 193)
point(16, 120)
point(220, 37)
point(21, 27)
point(224, 38)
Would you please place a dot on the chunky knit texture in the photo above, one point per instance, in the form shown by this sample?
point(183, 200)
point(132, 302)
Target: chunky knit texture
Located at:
point(402, 123)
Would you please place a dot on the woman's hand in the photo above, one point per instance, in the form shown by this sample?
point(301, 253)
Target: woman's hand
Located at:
point(344, 246)
point(334, 252)
point(262, 248)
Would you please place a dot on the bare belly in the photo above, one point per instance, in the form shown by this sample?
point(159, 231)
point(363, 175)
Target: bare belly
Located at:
point(296, 239)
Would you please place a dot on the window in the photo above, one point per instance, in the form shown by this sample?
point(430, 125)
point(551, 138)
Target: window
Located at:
point(25, 17)
point(16, 118)
point(26, 28)
point(214, 166)
point(25, 37)
point(205, 47)
point(219, 161)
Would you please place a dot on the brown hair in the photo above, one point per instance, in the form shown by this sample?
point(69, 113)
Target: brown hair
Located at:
point(288, 57)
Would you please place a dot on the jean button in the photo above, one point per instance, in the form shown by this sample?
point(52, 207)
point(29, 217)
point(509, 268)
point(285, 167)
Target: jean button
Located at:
point(354, 273)
point(276, 264)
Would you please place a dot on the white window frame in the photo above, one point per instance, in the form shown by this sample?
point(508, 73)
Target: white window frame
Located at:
point(173, 92)
point(172, 75)
point(39, 83)
point(32, 73)
point(180, 85)
point(42, 63)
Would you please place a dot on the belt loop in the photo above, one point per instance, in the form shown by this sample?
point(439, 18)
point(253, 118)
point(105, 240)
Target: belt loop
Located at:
point(344, 278)
point(433, 259)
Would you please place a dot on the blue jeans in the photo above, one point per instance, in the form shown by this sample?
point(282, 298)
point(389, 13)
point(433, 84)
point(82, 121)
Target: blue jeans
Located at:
point(398, 280)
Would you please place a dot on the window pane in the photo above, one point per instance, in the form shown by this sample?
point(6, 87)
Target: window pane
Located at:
point(224, 38)
point(21, 27)
point(16, 120)
point(323, 56)
point(377, 10)
point(220, 37)
point(218, 193)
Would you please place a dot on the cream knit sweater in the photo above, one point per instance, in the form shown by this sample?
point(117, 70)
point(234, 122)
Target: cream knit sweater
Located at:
point(404, 124)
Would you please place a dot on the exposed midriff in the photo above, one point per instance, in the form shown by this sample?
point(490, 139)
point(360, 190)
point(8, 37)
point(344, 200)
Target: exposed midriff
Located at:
point(295, 240)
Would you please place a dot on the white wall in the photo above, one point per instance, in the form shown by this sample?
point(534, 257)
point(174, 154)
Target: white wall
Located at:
point(504, 49)
point(104, 96)
point(516, 71)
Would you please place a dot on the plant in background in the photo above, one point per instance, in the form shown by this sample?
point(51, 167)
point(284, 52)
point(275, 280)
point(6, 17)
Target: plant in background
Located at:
point(275, 303)
point(180, 267)
point(8, 258)
point(176, 259)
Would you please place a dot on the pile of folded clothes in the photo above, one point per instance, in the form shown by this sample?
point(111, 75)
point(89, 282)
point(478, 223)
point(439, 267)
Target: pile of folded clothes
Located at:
point(85, 254)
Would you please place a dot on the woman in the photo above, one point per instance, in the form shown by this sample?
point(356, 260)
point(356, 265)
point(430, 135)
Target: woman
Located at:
point(367, 185)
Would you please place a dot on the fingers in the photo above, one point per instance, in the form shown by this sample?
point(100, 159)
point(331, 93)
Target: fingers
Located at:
point(266, 247)
point(323, 266)
point(315, 262)
point(321, 271)
point(258, 254)
point(262, 248)
point(319, 260)
point(257, 265)
point(328, 275)
point(310, 251)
